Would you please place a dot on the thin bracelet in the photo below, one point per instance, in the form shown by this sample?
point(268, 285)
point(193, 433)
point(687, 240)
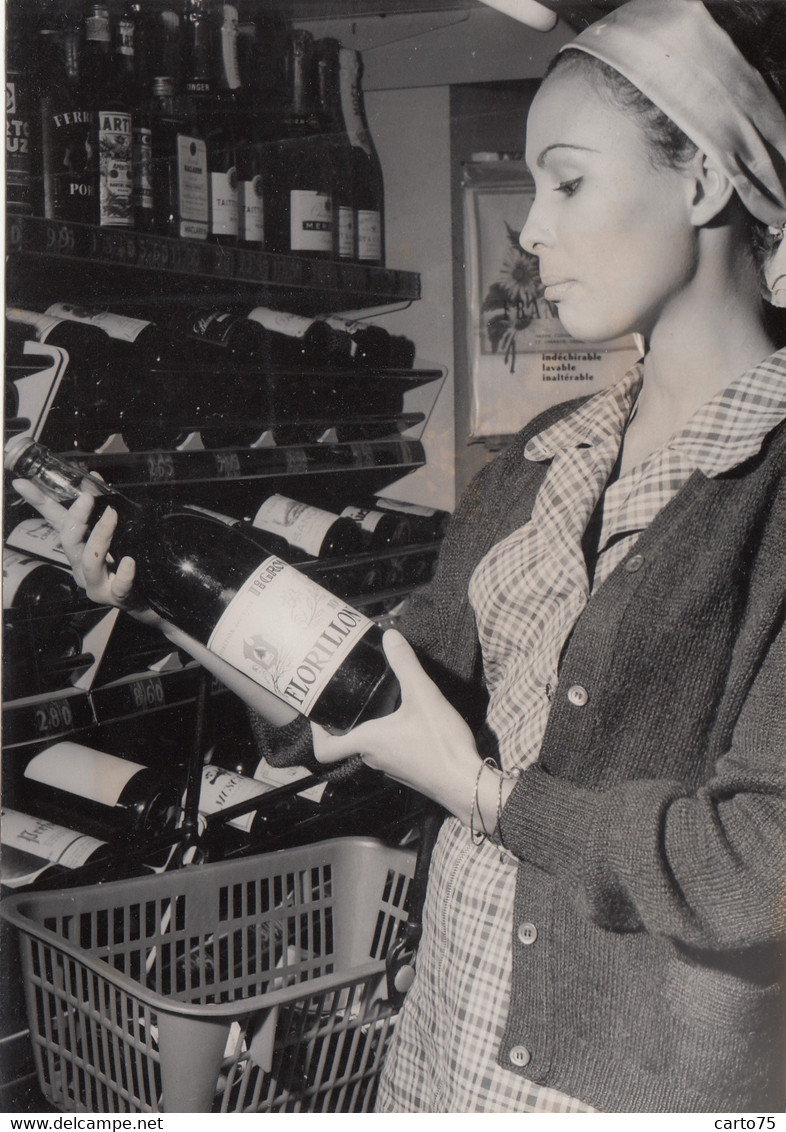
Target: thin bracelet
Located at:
point(475, 834)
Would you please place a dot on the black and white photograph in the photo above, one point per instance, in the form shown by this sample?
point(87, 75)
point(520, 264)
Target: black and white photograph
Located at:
point(394, 562)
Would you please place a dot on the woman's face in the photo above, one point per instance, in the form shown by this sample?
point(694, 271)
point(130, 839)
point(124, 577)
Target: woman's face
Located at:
point(611, 228)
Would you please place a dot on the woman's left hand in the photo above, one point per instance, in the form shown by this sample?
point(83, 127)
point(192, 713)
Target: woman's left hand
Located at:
point(425, 743)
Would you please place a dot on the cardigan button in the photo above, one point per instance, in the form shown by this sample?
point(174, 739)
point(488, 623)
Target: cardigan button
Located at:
point(578, 695)
point(527, 933)
point(520, 1056)
point(634, 563)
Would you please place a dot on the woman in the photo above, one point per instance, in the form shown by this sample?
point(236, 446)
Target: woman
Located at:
point(605, 917)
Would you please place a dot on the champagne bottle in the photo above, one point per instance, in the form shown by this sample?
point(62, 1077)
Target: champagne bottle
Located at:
point(109, 79)
point(366, 169)
point(136, 35)
point(312, 650)
point(337, 148)
point(379, 529)
point(310, 531)
point(69, 155)
point(109, 797)
point(19, 102)
point(32, 845)
point(211, 86)
point(299, 205)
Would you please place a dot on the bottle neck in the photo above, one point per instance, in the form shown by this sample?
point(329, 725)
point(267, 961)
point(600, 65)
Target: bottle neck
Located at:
point(59, 479)
point(352, 100)
point(199, 77)
point(329, 90)
point(299, 67)
point(228, 69)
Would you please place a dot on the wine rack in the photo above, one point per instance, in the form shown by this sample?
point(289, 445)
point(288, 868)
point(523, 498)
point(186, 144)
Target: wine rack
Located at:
point(347, 437)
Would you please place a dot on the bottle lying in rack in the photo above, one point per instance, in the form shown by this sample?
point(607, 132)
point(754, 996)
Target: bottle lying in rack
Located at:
point(427, 524)
point(113, 799)
point(33, 846)
point(220, 584)
point(308, 532)
point(379, 529)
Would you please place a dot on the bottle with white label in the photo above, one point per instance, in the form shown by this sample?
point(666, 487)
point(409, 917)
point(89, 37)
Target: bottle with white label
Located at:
point(312, 650)
point(299, 213)
point(109, 797)
point(366, 169)
point(426, 523)
point(379, 529)
point(337, 148)
point(211, 85)
point(180, 173)
point(310, 532)
point(33, 845)
point(112, 109)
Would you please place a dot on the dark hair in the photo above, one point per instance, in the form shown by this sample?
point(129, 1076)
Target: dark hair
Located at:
point(757, 28)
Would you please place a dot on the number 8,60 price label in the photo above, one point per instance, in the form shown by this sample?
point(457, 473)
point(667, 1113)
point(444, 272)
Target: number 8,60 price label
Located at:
point(147, 694)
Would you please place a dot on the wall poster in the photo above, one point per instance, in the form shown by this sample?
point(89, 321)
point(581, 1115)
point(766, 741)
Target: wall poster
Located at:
point(521, 360)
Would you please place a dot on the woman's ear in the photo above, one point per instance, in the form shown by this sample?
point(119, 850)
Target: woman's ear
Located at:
point(711, 190)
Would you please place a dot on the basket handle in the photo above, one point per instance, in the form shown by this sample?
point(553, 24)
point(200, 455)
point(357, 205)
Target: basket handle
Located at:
point(400, 959)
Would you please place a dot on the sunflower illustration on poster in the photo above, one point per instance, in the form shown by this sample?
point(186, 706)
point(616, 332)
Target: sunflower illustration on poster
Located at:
point(521, 359)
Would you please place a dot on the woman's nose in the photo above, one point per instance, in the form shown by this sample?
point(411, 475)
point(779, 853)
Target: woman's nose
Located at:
point(535, 234)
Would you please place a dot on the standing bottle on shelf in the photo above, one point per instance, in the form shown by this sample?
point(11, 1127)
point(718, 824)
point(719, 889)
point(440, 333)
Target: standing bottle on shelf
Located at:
point(311, 650)
point(181, 191)
point(19, 108)
point(338, 148)
point(299, 205)
point(69, 154)
point(136, 40)
point(257, 131)
point(367, 183)
point(108, 76)
point(109, 797)
point(211, 85)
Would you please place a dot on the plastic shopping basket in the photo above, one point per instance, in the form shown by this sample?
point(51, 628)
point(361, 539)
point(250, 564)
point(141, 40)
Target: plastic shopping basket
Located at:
point(255, 985)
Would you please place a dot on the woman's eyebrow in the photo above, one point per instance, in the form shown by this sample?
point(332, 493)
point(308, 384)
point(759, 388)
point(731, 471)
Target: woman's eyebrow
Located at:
point(561, 145)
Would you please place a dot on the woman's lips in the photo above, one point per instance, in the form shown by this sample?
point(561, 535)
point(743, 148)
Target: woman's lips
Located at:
point(553, 292)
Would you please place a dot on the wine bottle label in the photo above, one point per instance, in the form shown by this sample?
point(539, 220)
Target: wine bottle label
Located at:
point(301, 525)
point(281, 322)
point(115, 178)
point(18, 168)
point(251, 211)
point(143, 167)
point(221, 788)
point(44, 839)
point(369, 235)
point(310, 221)
point(287, 633)
point(406, 508)
point(41, 325)
point(192, 184)
point(276, 776)
point(346, 233)
point(125, 32)
point(16, 567)
point(367, 520)
point(117, 326)
point(70, 163)
point(223, 203)
point(91, 774)
point(38, 537)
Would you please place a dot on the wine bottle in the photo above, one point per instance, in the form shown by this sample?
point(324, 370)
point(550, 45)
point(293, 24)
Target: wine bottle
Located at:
point(427, 523)
point(33, 587)
point(297, 339)
point(222, 788)
point(136, 34)
point(211, 85)
point(109, 797)
point(19, 103)
point(180, 173)
point(379, 529)
point(32, 846)
point(314, 532)
point(367, 182)
point(69, 155)
point(312, 650)
point(109, 79)
point(299, 205)
point(337, 148)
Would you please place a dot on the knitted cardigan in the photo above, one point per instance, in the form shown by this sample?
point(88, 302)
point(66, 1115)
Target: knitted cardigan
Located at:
point(650, 833)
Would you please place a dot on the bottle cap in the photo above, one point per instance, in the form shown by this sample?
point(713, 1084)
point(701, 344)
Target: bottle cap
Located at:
point(15, 448)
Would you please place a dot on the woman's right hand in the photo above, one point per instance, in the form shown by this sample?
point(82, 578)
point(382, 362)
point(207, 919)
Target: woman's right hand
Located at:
point(88, 551)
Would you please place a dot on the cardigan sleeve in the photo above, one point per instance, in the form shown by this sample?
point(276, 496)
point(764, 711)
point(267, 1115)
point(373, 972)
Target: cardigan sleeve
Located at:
point(704, 866)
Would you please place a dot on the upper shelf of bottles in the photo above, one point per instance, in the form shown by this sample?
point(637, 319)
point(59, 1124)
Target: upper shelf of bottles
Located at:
point(125, 265)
